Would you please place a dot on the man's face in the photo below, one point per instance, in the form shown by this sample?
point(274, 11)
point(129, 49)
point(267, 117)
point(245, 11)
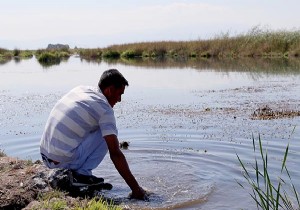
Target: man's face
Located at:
point(114, 95)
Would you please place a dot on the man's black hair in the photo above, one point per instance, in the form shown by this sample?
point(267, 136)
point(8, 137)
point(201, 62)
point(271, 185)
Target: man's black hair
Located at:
point(112, 77)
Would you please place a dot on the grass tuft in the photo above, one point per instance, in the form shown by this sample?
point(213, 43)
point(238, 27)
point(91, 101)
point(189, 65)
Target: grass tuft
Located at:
point(96, 204)
point(56, 200)
point(266, 193)
point(52, 57)
point(2, 153)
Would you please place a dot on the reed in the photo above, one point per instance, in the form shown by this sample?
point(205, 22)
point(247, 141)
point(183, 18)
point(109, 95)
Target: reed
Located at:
point(93, 54)
point(257, 42)
point(267, 193)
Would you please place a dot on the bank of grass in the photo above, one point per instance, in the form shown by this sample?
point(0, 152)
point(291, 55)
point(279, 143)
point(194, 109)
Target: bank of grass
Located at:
point(23, 54)
point(93, 54)
point(56, 200)
point(48, 55)
point(52, 57)
point(5, 55)
point(257, 42)
point(52, 199)
point(267, 193)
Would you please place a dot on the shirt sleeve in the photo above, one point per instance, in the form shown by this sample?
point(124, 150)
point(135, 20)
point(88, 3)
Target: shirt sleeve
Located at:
point(107, 123)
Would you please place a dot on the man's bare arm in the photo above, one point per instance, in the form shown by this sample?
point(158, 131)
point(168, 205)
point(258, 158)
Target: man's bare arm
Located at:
point(121, 165)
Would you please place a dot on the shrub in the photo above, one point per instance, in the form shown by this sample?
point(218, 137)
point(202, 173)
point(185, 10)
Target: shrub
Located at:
point(16, 52)
point(131, 54)
point(111, 54)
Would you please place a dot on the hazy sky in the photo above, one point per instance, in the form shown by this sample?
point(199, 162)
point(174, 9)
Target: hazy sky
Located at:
point(33, 24)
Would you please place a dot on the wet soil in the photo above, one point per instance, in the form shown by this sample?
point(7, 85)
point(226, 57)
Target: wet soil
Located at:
point(23, 184)
point(267, 113)
point(17, 185)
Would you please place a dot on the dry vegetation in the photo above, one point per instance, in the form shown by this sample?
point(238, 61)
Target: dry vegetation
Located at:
point(266, 113)
point(255, 43)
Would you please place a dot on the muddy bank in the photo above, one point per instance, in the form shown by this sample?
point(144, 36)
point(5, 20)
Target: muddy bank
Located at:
point(18, 184)
point(24, 183)
point(267, 113)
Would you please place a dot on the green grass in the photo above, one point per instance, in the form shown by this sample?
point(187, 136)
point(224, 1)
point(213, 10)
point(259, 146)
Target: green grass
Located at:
point(5, 55)
point(53, 200)
point(26, 54)
point(129, 54)
point(8, 54)
point(52, 57)
point(110, 53)
point(56, 200)
point(22, 53)
point(96, 204)
point(267, 193)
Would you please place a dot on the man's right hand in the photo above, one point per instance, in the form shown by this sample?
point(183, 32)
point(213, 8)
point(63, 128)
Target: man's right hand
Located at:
point(139, 194)
point(121, 165)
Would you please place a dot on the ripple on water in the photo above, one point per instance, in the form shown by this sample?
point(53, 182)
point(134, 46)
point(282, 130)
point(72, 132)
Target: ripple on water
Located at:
point(173, 182)
point(185, 171)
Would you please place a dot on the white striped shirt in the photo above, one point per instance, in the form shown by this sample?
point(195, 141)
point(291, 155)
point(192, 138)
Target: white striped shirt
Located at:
point(80, 112)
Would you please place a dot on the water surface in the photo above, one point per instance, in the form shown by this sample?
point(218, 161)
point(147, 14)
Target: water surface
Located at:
point(185, 125)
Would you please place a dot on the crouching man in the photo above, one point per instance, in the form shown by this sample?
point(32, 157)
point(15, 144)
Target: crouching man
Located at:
point(81, 129)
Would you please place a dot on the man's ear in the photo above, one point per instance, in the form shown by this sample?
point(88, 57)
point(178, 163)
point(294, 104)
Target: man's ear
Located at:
point(107, 91)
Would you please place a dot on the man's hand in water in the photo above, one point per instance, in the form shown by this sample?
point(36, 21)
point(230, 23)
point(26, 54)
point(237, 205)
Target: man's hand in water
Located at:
point(139, 194)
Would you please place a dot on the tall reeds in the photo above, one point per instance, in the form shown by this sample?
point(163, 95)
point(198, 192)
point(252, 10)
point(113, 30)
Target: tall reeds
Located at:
point(257, 42)
point(267, 193)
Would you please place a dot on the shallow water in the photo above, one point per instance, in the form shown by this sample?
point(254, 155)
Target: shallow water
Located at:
point(185, 126)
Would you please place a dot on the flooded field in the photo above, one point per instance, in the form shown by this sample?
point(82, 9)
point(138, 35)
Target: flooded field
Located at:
point(184, 125)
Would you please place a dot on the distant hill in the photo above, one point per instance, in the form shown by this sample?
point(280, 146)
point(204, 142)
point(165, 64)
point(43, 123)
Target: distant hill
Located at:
point(58, 47)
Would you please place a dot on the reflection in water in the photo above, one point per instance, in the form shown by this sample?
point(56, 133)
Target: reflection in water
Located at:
point(17, 59)
point(4, 60)
point(254, 65)
point(184, 126)
point(52, 62)
point(266, 65)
